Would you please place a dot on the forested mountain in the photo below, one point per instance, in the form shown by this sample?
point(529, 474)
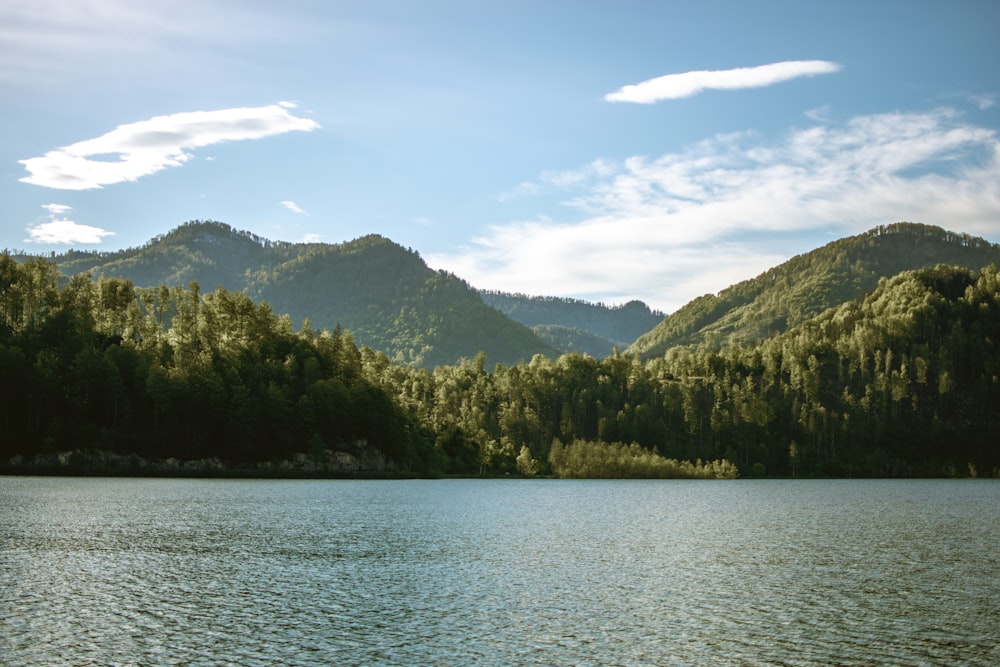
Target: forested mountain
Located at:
point(103, 376)
point(572, 325)
point(100, 375)
point(806, 285)
point(904, 381)
point(391, 301)
point(385, 295)
point(211, 253)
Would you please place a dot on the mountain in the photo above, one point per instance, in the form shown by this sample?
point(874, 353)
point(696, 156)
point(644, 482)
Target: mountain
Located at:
point(571, 325)
point(806, 285)
point(901, 381)
point(211, 253)
point(384, 294)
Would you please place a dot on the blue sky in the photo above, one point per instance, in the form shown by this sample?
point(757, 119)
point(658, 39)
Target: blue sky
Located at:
point(596, 150)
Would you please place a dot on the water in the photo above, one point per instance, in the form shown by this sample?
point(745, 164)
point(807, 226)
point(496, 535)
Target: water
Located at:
point(498, 572)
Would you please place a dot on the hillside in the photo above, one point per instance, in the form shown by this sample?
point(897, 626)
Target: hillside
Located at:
point(385, 295)
point(101, 376)
point(806, 285)
point(902, 381)
point(572, 325)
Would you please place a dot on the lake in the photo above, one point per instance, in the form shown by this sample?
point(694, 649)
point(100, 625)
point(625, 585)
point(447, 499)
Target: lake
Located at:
point(499, 572)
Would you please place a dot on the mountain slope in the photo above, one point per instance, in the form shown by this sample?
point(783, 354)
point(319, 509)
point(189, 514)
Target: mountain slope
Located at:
point(806, 285)
point(212, 253)
point(389, 299)
point(571, 325)
point(385, 295)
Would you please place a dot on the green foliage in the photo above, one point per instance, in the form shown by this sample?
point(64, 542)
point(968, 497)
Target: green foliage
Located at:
point(901, 382)
point(574, 339)
point(806, 285)
point(904, 380)
point(386, 295)
point(101, 366)
point(526, 464)
point(571, 325)
point(595, 460)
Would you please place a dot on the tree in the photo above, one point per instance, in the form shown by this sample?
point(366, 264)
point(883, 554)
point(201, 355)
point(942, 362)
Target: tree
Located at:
point(526, 465)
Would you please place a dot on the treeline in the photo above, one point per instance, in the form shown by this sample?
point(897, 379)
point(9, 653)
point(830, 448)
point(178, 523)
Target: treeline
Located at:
point(383, 293)
point(905, 381)
point(583, 459)
point(172, 373)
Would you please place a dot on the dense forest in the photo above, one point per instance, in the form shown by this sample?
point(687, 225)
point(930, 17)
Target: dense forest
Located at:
point(902, 381)
point(391, 301)
point(806, 285)
point(383, 293)
point(905, 381)
point(572, 325)
point(121, 376)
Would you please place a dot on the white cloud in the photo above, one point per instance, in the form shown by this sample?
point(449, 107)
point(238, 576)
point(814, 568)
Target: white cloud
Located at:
point(51, 41)
point(148, 146)
point(60, 230)
point(686, 84)
point(984, 102)
point(311, 238)
point(65, 232)
point(57, 209)
point(684, 224)
point(293, 207)
point(819, 114)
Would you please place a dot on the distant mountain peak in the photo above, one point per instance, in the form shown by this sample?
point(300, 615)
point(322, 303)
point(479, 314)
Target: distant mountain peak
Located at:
point(576, 325)
point(808, 284)
point(383, 293)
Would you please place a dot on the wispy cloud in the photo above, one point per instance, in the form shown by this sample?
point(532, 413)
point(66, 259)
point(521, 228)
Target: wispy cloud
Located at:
point(671, 228)
point(686, 84)
point(819, 114)
point(524, 189)
point(149, 146)
point(57, 209)
point(293, 207)
point(62, 231)
point(984, 102)
point(46, 41)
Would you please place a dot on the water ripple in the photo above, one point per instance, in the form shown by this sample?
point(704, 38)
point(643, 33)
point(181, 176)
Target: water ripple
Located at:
point(199, 572)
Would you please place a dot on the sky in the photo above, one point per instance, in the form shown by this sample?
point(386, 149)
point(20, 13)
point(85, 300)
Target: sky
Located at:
point(605, 151)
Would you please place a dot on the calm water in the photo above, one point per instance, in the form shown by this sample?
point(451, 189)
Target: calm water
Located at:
point(502, 572)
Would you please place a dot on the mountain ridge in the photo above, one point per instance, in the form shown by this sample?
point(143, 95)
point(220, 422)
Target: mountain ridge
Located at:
point(576, 325)
point(384, 294)
point(808, 284)
point(392, 301)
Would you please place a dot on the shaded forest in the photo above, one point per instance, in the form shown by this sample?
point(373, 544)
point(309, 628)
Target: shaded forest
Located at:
point(903, 381)
point(172, 373)
point(572, 325)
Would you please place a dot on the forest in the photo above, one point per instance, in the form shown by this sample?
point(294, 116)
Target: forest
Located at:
point(102, 375)
point(806, 285)
point(383, 293)
point(573, 325)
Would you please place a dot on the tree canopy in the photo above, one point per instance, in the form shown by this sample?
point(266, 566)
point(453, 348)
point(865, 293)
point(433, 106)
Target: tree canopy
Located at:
point(902, 380)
